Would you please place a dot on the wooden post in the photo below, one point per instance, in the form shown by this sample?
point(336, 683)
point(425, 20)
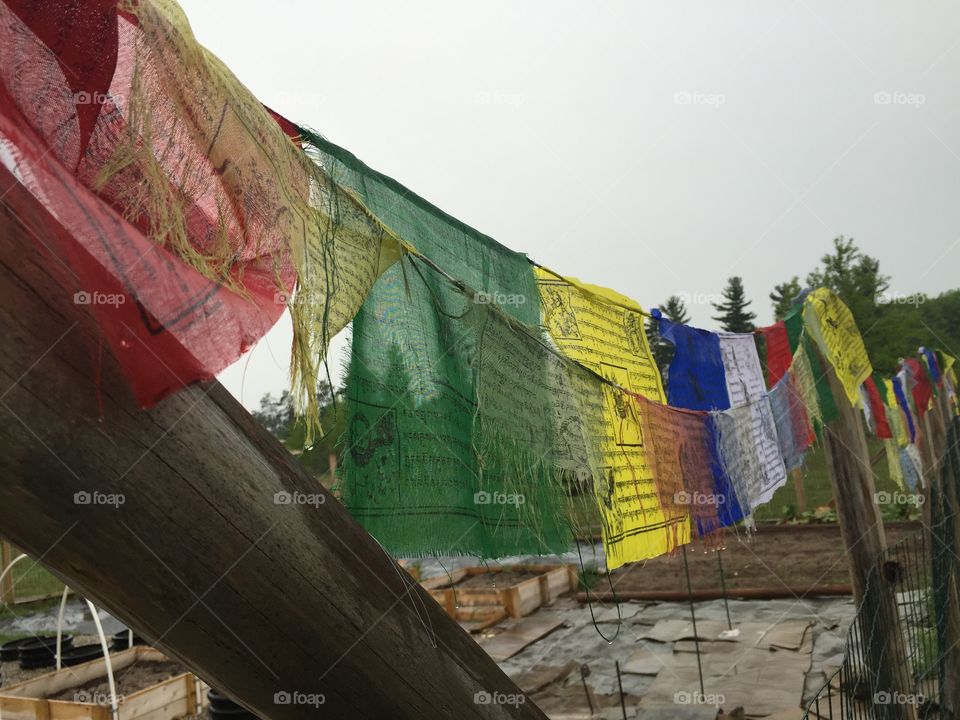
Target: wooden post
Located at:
point(947, 483)
point(797, 476)
point(267, 601)
point(6, 588)
point(848, 461)
point(861, 527)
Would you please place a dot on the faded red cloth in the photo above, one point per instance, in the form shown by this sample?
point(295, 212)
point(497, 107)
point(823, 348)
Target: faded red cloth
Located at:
point(921, 389)
point(64, 71)
point(878, 410)
point(681, 455)
point(779, 357)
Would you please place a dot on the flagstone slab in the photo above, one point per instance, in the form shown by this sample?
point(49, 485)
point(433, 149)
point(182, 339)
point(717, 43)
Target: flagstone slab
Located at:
point(525, 632)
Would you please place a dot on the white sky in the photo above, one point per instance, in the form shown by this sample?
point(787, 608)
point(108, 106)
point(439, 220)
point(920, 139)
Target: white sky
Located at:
point(562, 129)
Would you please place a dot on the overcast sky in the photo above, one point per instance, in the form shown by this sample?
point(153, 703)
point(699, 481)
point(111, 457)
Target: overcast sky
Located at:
point(655, 148)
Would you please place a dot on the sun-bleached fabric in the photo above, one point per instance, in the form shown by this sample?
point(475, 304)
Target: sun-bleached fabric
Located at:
point(604, 331)
point(893, 463)
point(912, 467)
point(683, 459)
point(750, 452)
point(180, 197)
point(794, 433)
point(833, 328)
point(743, 375)
point(875, 408)
point(746, 388)
point(921, 389)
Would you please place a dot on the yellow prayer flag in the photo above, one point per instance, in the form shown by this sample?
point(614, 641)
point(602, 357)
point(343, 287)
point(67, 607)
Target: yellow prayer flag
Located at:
point(832, 326)
point(604, 331)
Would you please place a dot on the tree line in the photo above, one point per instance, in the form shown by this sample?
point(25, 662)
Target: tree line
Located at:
point(893, 324)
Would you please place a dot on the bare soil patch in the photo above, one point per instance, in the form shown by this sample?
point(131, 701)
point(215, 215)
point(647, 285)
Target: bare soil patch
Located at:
point(791, 555)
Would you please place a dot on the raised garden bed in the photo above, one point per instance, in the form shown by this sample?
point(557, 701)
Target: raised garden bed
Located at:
point(479, 597)
point(149, 686)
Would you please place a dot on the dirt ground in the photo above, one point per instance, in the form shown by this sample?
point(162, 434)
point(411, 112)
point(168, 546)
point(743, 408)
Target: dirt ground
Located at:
point(128, 680)
point(777, 555)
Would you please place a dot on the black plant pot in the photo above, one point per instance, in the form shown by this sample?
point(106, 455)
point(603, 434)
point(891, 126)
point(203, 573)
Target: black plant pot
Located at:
point(81, 654)
point(223, 707)
point(121, 640)
point(42, 652)
point(10, 651)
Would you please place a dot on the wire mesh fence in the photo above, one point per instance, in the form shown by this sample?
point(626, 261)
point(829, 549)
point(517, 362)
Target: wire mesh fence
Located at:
point(902, 657)
point(28, 580)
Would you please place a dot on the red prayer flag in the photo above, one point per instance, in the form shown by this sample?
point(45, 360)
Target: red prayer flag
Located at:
point(922, 389)
point(878, 410)
point(779, 356)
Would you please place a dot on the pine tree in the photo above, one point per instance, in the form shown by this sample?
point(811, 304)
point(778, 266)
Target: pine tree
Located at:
point(734, 316)
point(854, 277)
point(673, 309)
point(783, 296)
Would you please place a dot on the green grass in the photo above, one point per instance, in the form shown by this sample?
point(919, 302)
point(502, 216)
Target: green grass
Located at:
point(819, 491)
point(31, 581)
point(7, 612)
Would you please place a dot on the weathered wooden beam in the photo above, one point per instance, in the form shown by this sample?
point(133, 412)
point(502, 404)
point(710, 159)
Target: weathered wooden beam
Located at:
point(862, 531)
point(264, 600)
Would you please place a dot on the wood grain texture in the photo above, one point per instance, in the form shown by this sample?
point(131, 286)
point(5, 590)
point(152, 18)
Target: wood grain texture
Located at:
point(258, 598)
